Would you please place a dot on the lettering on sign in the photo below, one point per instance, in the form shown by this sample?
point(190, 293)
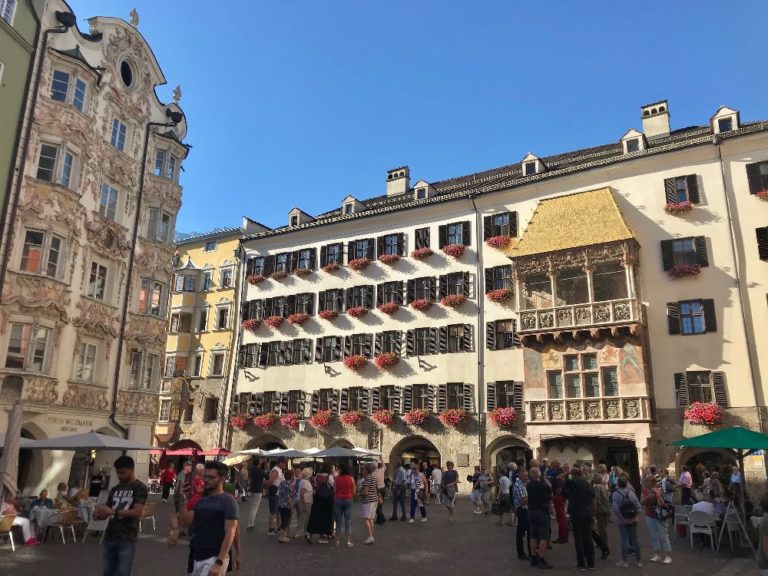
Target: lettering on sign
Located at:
point(68, 424)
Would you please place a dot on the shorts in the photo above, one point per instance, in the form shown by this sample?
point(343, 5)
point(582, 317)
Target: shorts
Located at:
point(285, 518)
point(272, 498)
point(539, 525)
point(369, 510)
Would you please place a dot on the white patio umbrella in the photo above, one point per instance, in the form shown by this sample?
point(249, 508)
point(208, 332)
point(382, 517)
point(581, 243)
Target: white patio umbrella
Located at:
point(366, 452)
point(338, 452)
point(286, 453)
point(88, 441)
point(23, 442)
point(242, 455)
point(9, 461)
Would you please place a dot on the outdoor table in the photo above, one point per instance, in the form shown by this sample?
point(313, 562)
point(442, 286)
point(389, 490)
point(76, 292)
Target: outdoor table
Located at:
point(42, 516)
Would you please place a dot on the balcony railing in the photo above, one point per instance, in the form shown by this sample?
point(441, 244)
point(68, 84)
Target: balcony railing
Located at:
point(599, 409)
point(580, 315)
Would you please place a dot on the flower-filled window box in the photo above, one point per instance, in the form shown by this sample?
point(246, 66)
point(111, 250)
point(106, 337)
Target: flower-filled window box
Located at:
point(677, 208)
point(454, 250)
point(322, 419)
point(389, 258)
point(355, 362)
point(422, 253)
point(274, 321)
point(250, 325)
point(265, 421)
point(278, 275)
point(290, 420)
point(416, 417)
point(254, 279)
point(239, 421)
point(302, 272)
point(453, 300)
point(684, 270)
point(499, 242)
point(454, 417)
point(386, 360)
point(389, 307)
point(500, 295)
point(357, 311)
point(384, 417)
point(351, 418)
point(298, 318)
point(763, 195)
point(502, 417)
point(422, 305)
point(704, 413)
point(359, 264)
point(328, 314)
point(331, 267)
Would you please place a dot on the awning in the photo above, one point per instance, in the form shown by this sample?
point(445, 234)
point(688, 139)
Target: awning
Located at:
point(88, 441)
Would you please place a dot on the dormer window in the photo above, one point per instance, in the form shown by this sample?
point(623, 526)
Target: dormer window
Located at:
point(633, 141)
point(724, 124)
point(724, 120)
point(530, 168)
point(349, 208)
point(532, 165)
point(421, 193)
point(295, 220)
point(633, 145)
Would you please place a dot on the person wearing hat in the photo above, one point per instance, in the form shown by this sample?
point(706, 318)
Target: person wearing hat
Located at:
point(304, 504)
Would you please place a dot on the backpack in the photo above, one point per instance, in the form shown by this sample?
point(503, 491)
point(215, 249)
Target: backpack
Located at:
point(627, 508)
point(664, 512)
point(324, 490)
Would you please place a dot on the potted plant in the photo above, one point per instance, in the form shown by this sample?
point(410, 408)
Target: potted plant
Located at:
point(453, 300)
point(454, 250)
point(278, 275)
point(359, 264)
point(502, 417)
point(677, 208)
point(389, 258)
point(250, 325)
point(389, 307)
point(416, 417)
point(254, 279)
point(498, 242)
point(384, 416)
point(351, 418)
point(321, 419)
point(684, 270)
point(274, 321)
point(421, 304)
point(454, 417)
point(386, 360)
point(265, 421)
point(357, 311)
point(298, 318)
point(500, 295)
point(355, 361)
point(302, 272)
point(239, 421)
point(331, 267)
point(290, 420)
point(328, 314)
point(763, 195)
point(422, 253)
point(708, 413)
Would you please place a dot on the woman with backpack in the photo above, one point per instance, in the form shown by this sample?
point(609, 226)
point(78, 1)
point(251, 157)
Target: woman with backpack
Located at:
point(321, 513)
point(656, 517)
point(626, 509)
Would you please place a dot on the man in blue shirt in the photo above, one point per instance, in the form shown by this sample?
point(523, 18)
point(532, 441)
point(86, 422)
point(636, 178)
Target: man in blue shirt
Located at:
point(398, 492)
point(520, 502)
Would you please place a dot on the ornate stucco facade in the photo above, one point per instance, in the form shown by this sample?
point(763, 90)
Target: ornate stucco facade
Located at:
point(91, 250)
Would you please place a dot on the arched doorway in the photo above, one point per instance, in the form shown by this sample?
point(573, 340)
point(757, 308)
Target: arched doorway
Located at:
point(712, 460)
point(341, 443)
point(508, 449)
point(415, 448)
point(266, 442)
point(186, 443)
point(30, 463)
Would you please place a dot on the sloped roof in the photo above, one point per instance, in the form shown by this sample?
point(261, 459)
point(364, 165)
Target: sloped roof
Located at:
point(573, 221)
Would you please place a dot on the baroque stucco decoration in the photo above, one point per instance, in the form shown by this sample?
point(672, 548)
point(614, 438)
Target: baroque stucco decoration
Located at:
point(136, 403)
point(36, 295)
point(96, 318)
point(107, 236)
point(146, 331)
point(40, 389)
point(85, 396)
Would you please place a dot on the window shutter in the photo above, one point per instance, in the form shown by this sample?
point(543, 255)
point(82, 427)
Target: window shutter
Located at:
point(465, 284)
point(515, 335)
point(710, 318)
point(762, 242)
point(490, 396)
point(670, 190)
point(518, 399)
point(323, 256)
point(293, 260)
point(347, 346)
point(398, 342)
point(467, 396)
point(350, 297)
point(337, 348)
point(673, 317)
point(369, 296)
point(401, 244)
point(488, 280)
point(442, 233)
point(487, 227)
point(369, 252)
point(701, 251)
point(465, 234)
point(350, 251)
point(246, 313)
point(692, 182)
point(313, 258)
point(433, 288)
point(513, 223)
point(152, 224)
point(379, 294)
point(365, 400)
point(311, 300)
point(345, 399)
point(321, 301)
point(335, 401)
point(290, 305)
point(399, 292)
point(443, 285)
point(466, 340)
point(681, 389)
point(443, 341)
point(287, 349)
point(377, 345)
point(410, 291)
point(269, 265)
point(241, 356)
point(367, 345)
point(442, 397)
point(268, 307)
point(263, 354)
point(375, 399)
point(258, 402)
point(319, 350)
point(431, 397)
point(315, 401)
point(433, 340)
point(407, 398)
point(753, 177)
point(721, 393)
point(380, 243)
point(490, 336)
point(410, 342)
point(283, 402)
point(397, 400)
point(667, 260)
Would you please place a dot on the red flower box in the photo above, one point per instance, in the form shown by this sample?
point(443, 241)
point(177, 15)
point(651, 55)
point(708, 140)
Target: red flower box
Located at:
point(498, 242)
point(359, 264)
point(384, 417)
point(684, 270)
point(416, 417)
point(422, 253)
point(455, 250)
point(704, 413)
point(328, 314)
point(386, 360)
point(500, 295)
point(331, 267)
point(453, 300)
point(389, 307)
point(274, 321)
point(763, 195)
point(298, 318)
point(250, 325)
point(454, 417)
point(677, 208)
point(421, 305)
point(503, 416)
point(290, 420)
point(355, 362)
point(351, 418)
point(357, 311)
point(239, 421)
point(389, 258)
point(265, 421)
point(254, 279)
point(322, 419)
point(279, 275)
point(302, 272)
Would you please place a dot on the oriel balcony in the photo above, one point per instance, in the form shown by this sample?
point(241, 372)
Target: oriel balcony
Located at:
point(598, 409)
point(611, 312)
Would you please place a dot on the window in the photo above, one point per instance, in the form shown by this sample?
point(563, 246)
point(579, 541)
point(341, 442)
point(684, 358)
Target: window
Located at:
point(361, 249)
point(304, 259)
point(108, 202)
point(572, 287)
point(360, 296)
point(762, 243)
point(422, 238)
point(331, 300)
point(455, 283)
point(725, 124)
point(301, 351)
point(97, 285)
point(159, 225)
point(504, 334)
point(159, 162)
point(387, 397)
point(757, 177)
point(390, 342)
point(355, 399)
point(117, 138)
point(633, 145)
point(281, 262)
point(304, 303)
point(175, 366)
point(610, 381)
point(421, 289)
point(455, 233)
point(328, 349)
point(582, 378)
point(207, 280)
point(222, 318)
point(422, 341)
point(211, 409)
point(181, 322)
point(420, 397)
point(498, 277)
point(202, 320)
point(609, 281)
point(217, 363)
point(86, 362)
point(504, 394)
point(296, 402)
point(165, 165)
point(501, 224)
point(197, 365)
point(295, 220)
point(56, 164)
point(66, 88)
point(536, 292)
point(555, 384)
point(226, 277)
point(455, 338)
point(42, 253)
point(454, 395)
point(390, 292)
point(699, 386)
point(27, 347)
point(165, 410)
point(692, 317)
point(349, 208)
point(682, 189)
point(421, 193)
point(692, 250)
point(210, 246)
point(331, 254)
point(7, 9)
point(189, 282)
point(391, 245)
point(325, 399)
point(151, 298)
point(358, 345)
point(149, 371)
point(530, 168)
point(255, 266)
point(135, 368)
point(270, 402)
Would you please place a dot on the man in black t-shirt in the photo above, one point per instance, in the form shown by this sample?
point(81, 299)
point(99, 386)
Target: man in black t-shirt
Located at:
point(257, 475)
point(582, 509)
point(539, 499)
point(124, 507)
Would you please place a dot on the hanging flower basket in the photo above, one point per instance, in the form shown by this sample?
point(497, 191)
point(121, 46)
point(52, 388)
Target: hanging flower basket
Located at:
point(498, 242)
point(763, 195)
point(290, 420)
point(357, 311)
point(453, 300)
point(278, 275)
point(239, 421)
point(455, 250)
point(254, 279)
point(416, 417)
point(384, 417)
point(422, 305)
point(351, 418)
point(298, 318)
point(500, 295)
point(389, 307)
point(322, 419)
point(302, 272)
point(502, 417)
point(704, 413)
point(331, 267)
point(677, 208)
point(684, 270)
point(359, 264)
point(250, 325)
point(389, 258)
point(455, 417)
point(421, 253)
point(386, 360)
point(328, 314)
point(265, 421)
point(274, 321)
point(355, 362)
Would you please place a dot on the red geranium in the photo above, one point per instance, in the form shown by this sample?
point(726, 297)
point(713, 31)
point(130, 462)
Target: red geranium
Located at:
point(421, 253)
point(389, 258)
point(503, 416)
point(357, 311)
point(274, 321)
point(250, 325)
point(389, 307)
point(386, 360)
point(453, 300)
point(351, 418)
point(321, 419)
point(331, 267)
point(328, 314)
point(500, 295)
point(290, 420)
point(384, 417)
point(298, 318)
point(704, 413)
point(278, 275)
point(684, 270)
point(454, 417)
point(302, 272)
point(763, 194)
point(676, 208)
point(416, 417)
point(254, 279)
point(355, 362)
point(498, 242)
point(265, 421)
point(359, 264)
point(422, 305)
point(239, 421)
point(455, 250)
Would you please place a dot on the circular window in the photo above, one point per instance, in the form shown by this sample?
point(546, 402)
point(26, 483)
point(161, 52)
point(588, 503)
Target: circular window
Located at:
point(126, 73)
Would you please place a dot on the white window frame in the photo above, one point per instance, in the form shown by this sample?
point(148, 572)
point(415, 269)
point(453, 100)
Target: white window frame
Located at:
point(141, 379)
point(82, 354)
point(152, 283)
point(207, 281)
point(45, 253)
point(29, 344)
point(104, 201)
point(90, 292)
point(71, 89)
point(219, 310)
point(201, 312)
point(58, 171)
point(166, 166)
point(155, 217)
point(209, 242)
point(4, 8)
point(231, 271)
point(212, 363)
point(118, 134)
point(197, 371)
point(164, 406)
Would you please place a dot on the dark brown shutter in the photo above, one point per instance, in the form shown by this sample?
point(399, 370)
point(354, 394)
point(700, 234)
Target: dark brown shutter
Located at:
point(311, 299)
point(347, 346)
point(754, 178)
point(319, 350)
point(489, 284)
point(433, 340)
point(667, 260)
point(721, 392)
point(365, 400)
point(431, 397)
point(286, 348)
point(246, 313)
point(410, 291)
point(467, 397)
point(518, 399)
point(701, 251)
point(315, 401)
point(399, 292)
point(337, 348)
point(443, 341)
point(335, 401)
point(350, 297)
point(380, 294)
point(422, 238)
point(710, 318)
point(375, 399)
point(397, 400)
point(513, 223)
point(241, 356)
point(465, 238)
point(367, 345)
point(433, 288)
point(465, 284)
point(293, 260)
point(681, 389)
point(762, 242)
point(442, 397)
point(377, 345)
point(380, 243)
point(321, 301)
point(401, 244)
point(345, 399)
point(490, 396)
point(398, 342)
point(410, 343)
point(313, 258)
point(369, 296)
point(673, 317)
point(350, 251)
point(258, 403)
point(466, 339)
point(490, 336)
point(487, 227)
point(369, 249)
point(443, 285)
point(290, 305)
point(323, 256)
point(263, 353)
point(670, 190)
point(442, 233)
point(407, 398)
point(692, 182)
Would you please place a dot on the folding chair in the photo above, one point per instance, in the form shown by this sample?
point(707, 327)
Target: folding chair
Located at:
point(702, 523)
point(148, 514)
point(6, 529)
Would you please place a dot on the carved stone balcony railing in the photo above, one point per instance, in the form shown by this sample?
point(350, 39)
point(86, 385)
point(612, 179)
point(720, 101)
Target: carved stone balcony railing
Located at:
point(600, 409)
point(580, 316)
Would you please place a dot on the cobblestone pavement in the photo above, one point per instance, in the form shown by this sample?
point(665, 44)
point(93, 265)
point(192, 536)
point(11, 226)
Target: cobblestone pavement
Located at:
point(468, 546)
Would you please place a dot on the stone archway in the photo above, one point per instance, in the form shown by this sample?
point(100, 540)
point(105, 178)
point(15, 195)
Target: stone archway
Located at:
point(711, 458)
point(265, 442)
point(506, 449)
point(415, 448)
point(186, 443)
point(341, 443)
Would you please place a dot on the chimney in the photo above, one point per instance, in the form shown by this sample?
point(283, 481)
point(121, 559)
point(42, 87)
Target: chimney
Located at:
point(398, 181)
point(655, 119)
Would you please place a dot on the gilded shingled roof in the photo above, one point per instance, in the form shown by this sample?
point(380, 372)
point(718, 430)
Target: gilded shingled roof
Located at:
point(573, 221)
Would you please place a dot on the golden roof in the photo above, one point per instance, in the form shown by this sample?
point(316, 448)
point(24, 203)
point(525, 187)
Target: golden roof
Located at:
point(572, 221)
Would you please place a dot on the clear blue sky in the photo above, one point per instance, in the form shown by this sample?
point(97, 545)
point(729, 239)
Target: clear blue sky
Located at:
point(300, 103)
